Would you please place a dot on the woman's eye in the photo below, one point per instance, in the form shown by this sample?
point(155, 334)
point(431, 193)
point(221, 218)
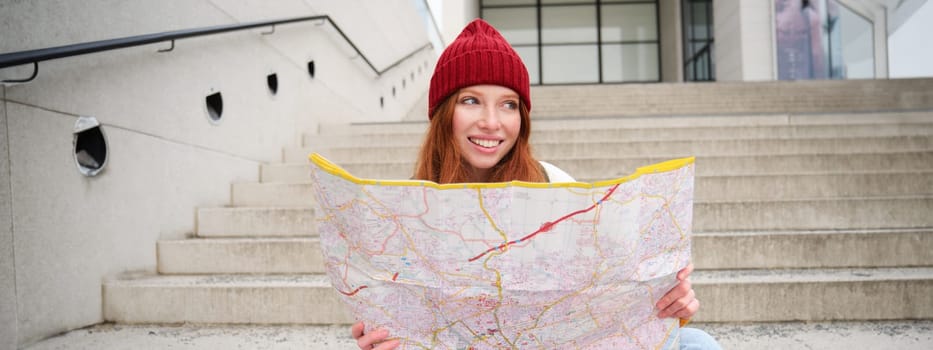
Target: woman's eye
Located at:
point(510, 104)
point(469, 101)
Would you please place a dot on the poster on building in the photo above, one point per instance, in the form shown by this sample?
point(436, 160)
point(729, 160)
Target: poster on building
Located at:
point(807, 37)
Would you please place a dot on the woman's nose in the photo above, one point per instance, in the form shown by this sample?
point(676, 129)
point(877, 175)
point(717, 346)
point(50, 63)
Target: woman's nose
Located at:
point(490, 119)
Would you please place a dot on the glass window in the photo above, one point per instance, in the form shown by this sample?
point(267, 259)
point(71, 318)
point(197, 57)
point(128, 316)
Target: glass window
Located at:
point(570, 64)
point(529, 55)
point(508, 2)
point(568, 24)
point(560, 40)
point(698, 40)
point(822, 40)
point(519, 26)
point(700, 20)
point(855, 54)
point(630, 62)
point(701, 67)
point(629, 22)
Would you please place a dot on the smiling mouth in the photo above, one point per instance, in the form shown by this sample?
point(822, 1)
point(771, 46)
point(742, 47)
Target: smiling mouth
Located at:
point(485, 143)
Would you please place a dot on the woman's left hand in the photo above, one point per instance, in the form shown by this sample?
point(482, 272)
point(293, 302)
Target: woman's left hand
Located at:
point(680, 301)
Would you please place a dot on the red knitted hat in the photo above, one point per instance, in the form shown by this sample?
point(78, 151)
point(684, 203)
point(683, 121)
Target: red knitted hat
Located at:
point(479, 55)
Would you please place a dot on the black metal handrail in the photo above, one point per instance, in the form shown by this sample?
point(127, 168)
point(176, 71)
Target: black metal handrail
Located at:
point(39, 55)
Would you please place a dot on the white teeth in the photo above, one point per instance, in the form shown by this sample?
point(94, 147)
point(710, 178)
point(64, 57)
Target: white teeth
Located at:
point(485, 143)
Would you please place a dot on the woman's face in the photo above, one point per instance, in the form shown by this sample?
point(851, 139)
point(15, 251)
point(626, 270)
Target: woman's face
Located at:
point(486, 125)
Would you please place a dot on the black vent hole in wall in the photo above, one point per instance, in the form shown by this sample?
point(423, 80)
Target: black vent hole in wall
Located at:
point(272, 81)
point(215, 106)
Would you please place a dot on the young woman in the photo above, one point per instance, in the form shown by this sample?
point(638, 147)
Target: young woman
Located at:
point(479, 109)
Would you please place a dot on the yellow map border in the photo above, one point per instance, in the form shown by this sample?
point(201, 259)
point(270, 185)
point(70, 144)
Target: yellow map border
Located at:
point(333, 169)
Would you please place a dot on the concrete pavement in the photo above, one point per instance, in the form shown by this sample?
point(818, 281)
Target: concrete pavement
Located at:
point(764, 336)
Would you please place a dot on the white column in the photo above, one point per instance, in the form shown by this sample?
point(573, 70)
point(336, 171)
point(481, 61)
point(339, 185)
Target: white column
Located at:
point(671, 35)
point(744, 40)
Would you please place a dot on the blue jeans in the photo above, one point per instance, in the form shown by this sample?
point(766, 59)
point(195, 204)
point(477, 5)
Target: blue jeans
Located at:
point(695, 339)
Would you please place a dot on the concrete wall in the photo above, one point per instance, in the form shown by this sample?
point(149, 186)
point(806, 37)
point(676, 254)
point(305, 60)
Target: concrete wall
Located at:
point(908, 59)
point(456, 15)
point(727, 22)
point(744, 40)
point(757, 40)
point(7, 272)
point(165, 157)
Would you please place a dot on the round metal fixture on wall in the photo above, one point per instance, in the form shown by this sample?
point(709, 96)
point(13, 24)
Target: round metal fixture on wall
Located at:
point(90, 146)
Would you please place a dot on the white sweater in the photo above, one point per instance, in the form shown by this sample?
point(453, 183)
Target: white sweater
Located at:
point(555, 174)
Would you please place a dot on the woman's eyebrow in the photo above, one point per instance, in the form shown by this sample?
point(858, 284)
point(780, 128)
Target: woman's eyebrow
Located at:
point(470, 91)
point(480, 94)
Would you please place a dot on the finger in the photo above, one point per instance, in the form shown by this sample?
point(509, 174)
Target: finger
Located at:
point(690, 310)
point(367, 340)
point(357, 330)
point(685, 272)
point(677, 305)
point(681, 290)
point(388, 345)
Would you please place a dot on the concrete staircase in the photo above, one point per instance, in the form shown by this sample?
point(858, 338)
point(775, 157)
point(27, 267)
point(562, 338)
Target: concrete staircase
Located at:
point(798, 217)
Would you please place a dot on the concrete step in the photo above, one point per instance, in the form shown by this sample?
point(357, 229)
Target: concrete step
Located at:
point(808, 186)
point(824, 96)
point(240, 255)
point(385, 137)
point(718, 187)
point(899, 334)
point(813, 249)
point(295, 194)
point(699, 148)
point(891, 335)
point(615, 167)
point(255, 222)
point(729, 250)
point(814, 214)
point(110, 336)
point(727, 296)
point(661, 122)
point(814, 294)
point(223, 299)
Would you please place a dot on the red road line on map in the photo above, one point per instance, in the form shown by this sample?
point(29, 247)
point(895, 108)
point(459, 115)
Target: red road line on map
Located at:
point(350, 294)
point(547, 226)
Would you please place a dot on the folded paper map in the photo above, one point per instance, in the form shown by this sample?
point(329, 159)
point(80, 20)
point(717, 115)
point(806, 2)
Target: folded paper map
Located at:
point(512, 265)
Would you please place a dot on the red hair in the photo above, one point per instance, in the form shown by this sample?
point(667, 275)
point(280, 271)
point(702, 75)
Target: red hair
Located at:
point(440, 159)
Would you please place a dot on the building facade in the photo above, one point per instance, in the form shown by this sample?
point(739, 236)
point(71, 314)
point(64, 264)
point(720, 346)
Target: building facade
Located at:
point(635, 41)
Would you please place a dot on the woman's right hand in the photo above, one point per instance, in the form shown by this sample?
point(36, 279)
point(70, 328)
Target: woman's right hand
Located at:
point(372, 340)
